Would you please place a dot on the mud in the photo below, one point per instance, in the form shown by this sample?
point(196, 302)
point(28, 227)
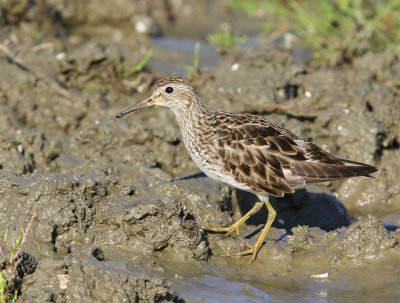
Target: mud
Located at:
point(121, 210)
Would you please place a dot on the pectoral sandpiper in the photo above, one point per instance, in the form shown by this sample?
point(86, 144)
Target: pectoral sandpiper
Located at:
point(247, 152)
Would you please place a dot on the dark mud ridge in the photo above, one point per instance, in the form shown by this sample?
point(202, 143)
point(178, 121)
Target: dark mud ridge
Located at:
point(119, 209)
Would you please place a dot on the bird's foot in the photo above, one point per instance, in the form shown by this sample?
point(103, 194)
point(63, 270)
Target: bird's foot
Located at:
point(234, 228)
point(251, 250)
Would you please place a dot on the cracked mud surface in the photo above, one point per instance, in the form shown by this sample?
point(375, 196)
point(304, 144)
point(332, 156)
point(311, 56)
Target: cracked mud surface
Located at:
point(120, 210)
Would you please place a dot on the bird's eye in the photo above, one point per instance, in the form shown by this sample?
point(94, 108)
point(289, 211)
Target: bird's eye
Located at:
point(169, 90)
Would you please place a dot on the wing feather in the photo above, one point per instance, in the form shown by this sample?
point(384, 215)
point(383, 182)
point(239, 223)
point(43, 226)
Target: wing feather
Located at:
point(250, 154)
point(270, 159)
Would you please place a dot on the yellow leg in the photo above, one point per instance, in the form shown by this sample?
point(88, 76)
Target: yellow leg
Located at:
point(235, 226)
point(256, 247)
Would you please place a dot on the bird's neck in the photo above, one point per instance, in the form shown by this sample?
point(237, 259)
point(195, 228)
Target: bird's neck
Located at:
point(193, 122)
point(192, 116)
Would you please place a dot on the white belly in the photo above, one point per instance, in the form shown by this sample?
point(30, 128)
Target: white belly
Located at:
point(213, 170)
point(216, 172)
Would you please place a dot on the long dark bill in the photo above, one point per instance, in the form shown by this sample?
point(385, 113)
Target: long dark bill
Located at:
point(140, 105)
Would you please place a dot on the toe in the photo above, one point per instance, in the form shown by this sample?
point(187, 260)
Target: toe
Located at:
point(218, 229)
point(232, 230)
point(254, 257)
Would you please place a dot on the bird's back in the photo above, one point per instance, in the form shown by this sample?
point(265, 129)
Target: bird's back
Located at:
point(253, 154)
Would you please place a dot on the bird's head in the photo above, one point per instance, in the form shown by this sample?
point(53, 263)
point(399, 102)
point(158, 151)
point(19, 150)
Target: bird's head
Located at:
point(175, 93)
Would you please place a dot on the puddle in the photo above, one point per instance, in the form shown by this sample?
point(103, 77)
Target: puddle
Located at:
point(175, 53)
point(217, 289)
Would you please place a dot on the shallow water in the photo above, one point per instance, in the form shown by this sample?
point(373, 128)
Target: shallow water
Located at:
point(217, 289)
point(175, 53)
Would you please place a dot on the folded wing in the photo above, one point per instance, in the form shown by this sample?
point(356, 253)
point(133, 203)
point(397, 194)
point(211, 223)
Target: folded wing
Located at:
point(269, 160)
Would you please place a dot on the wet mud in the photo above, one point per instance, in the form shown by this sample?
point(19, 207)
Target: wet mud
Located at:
point(121, 210)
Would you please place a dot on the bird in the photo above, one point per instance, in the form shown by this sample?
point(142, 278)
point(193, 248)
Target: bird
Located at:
point(247, 152)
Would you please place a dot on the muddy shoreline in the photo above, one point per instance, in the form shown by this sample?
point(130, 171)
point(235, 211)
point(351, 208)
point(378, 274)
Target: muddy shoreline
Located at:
point(120, 209)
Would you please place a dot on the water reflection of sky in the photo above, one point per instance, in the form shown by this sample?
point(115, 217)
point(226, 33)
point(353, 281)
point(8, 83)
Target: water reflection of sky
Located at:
point(174, 53)
point(217, 289)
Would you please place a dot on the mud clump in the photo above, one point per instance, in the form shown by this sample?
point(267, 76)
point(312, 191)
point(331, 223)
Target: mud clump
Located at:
point(153, 226)
point(90, 210)
point(90, 280)
point(80, 217)
point(366, 240)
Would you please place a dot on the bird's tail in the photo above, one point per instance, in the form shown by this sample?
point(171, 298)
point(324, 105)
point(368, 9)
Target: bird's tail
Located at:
point(315, 172)
point(358, 169)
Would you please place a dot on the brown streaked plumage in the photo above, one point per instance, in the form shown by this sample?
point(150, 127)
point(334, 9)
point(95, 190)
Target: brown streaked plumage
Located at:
point(247, 152)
